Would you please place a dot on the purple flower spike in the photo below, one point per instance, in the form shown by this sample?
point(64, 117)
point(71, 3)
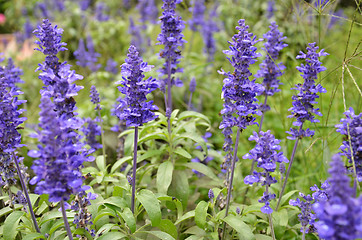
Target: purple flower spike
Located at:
point(198, 11)
point(171, 38)
point(340, 216)
point(266, 155)
point(239, 92)
point(148, 11)
point(134, 107)
point(208, 29)
point(269, 70)
point(353, 123)
point(50, 44)
point(303, 103)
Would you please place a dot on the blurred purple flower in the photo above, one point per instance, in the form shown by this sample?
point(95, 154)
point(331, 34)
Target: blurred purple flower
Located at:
point(197, 11)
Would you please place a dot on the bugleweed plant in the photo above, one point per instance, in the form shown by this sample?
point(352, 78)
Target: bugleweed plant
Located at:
point(261, 141)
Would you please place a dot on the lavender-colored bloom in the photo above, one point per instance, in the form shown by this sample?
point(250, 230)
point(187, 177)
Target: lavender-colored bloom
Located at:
point(84, 4)
point(238, 210)
point(305, 202)
point(270, 9)
point(352, 126)
point(336, 16)
point(339, 216)
point(100, 12)
point(172, 38)
point(137, 39)
point(91, 130)
point(82, 217)
point(10, 120)
point(148, 11)
point(192, 85)
point(269, 70)
point(266, 156)
point(26, 33)
point(303, 109)
point(134, 107)
point(87, 58)
point(198, 11)
point(238, 92)
point(41, 10)
point(211, 194)
point(59, 156)
point(208, 28)
point(94, 95)
point(112, 66)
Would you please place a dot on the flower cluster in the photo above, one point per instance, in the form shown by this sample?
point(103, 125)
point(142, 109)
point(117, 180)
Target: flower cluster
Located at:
point(307, 216)
point(50, 44)
point(137, 39)
point(266, 155)
point(101, 12)
point(209, 27)
point(112, 66)
point(148, 11)
point(239, 92)
point(303, 103)
point(172, 38)
point(269, 70)
point(87, 58)
point(58, 158)
point(339, 216)
point(10, 121)
point(351, 128)
point(198, 11)
point(82, 217)
point(134, 107)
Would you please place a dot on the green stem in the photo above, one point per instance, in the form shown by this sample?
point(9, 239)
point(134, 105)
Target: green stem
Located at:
point(134, 168)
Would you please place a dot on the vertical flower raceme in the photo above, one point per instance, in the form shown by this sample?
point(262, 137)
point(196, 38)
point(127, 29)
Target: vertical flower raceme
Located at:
point(266, 155)
point(269, 69)
point(100, 12)
point(57, 167)
point(171, 38)
point(148, 11)
point(351, 128)
point(134, 107)
point(303, 103)
point(112, 66)
point(270, 9)
point(87, 58)
point(10, 121)
point(339, 216)
point(50, 44)
point(197, 11)
point(238, 92)
point(208, 28)
point(307, 216)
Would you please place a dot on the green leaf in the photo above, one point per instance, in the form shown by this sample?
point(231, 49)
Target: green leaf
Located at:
point(128, 217)
point(83, 232)
point(262, 237)
point(104, 213)
point(33, 236)
point(187, 215)
point(10, 225)
point(179, 187)
point(119, 163)
point(202, 168)
point(56, 225)
point(199, 140)
point(201, 214)
point(177, 203)
point(149, 154)
point(5, 211)
point(182, 152)
point(101, 163)
point(287, 196)
point(189, 114)
point(112, 235)
point(164, 176)
point(151, 205)
point(167, 226)
point(281, 217)
point(155, 135)
point(115, 201)
point(159, 235)
point(238, 225)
